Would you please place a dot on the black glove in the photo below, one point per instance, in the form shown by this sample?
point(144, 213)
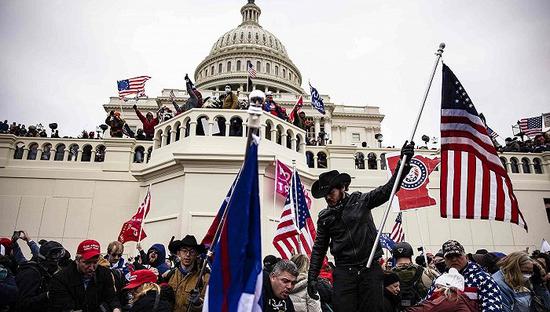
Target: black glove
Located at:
point(186, 77)
point(407, 150)
point(135, 106)
point(195, 297)
point(312, 288)
point(112, 113)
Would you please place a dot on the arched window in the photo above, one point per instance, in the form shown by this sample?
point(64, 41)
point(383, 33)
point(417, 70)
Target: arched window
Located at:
point(236, 127)
point(206, 72)
point(525, 165)
point(284, 73)
point(139, 154)
point(276, 70)
point(86, 153)
point(268, 127)
point(220, 121)
point(268, 68)
point(212, 70)
point(514, 165)
point(229, 66)
point(168, 132)
point(59, 152)
point(279, 134)
point(46, 152)
point(289, 136)
point(73, 152)
point(178, 130)
point(258, 66)
point(19, 149)
point(321, 160)
point(149, 152)
point(503, 161)
point(383, 164)
point(537, 165)
point(100, 153)
point(202, 122)
point(33, 151)
point(290, 76)
point(239, 65)
point(220, 68)
point(371, 161)
point(309, 159)
point(359, 161)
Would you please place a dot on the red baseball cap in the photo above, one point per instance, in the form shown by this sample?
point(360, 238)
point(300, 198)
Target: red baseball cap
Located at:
point(139, 277)
point(6, 245)
point(88, 249)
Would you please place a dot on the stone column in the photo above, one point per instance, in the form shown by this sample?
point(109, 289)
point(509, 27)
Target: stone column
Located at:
point(182, 131)
point(38, 153)
point(302, 146)
point(25, 153)
point(164, 140)
point(210, 127)
point(227, 124)
point(173, 136)
point(274, 134)
point(192, 128)
point(79, 155)
point(283, 139)
point(315, 161)
point(92, 159)
point(293, 143)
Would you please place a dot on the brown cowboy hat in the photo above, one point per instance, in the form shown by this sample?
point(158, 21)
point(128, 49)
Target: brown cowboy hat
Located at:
point(327, 181)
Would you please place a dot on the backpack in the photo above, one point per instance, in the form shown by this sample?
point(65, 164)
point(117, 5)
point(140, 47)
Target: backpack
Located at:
point(412, 288)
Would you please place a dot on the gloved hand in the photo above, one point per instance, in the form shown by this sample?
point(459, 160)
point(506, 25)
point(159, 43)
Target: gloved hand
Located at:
point(195, 297)
point(186, 77)
point(312, 288)
point(407, 150)
point(135, 106)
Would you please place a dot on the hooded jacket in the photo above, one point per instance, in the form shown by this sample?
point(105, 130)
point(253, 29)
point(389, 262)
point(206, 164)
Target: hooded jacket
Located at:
point(300, 299)
point(148, 126)
point(160, 263)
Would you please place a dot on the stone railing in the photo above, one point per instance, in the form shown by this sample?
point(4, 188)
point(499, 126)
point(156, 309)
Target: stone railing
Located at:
point(42, 150)
point(226, 123)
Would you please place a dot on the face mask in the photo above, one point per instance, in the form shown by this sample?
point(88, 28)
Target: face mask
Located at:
point(227, 90)
point(527, 276)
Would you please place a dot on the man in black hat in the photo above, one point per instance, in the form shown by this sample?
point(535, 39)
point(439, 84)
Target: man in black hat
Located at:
point(184, 277)
point(34, 277)
point(347, 226)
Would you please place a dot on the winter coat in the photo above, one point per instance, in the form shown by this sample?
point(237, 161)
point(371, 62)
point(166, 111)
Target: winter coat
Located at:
point(67, 290)
point(300, 299)
point(517, 301)
point(270, 302)
point(183, 285)
point(349, 229)
point(160, 263)
point(32, 286)
point(415, 281)
point(441, 304)
point(231, 101)
point(116, 125)
point(147, 302)
point(8, 289)
point(479, 286)
point(391, 302)
point(148, 126)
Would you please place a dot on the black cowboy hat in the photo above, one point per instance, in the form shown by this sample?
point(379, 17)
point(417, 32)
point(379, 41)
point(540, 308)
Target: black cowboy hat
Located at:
point(188, 241)
point(328, 180)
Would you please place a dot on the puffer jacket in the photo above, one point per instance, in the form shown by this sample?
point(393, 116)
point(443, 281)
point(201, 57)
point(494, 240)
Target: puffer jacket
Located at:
point(349, 229)
point(300, 299)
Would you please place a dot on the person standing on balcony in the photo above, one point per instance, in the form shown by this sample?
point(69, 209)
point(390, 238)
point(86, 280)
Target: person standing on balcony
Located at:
point(149, 122)
point(115, 122)
point(231, 100)
point(347, 226)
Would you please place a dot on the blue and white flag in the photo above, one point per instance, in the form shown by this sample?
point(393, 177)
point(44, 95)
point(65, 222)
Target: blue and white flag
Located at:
point(386, 241)
point(316, 100)
point(235, 284)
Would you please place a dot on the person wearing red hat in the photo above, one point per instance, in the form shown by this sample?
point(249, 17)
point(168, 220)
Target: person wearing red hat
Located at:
point(146, 294)
point(83, 285)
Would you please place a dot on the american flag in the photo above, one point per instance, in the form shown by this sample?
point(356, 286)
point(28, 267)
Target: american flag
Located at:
point(397, 234)
point(251, 70)
point(288, 232)
point(134, 85)
point(474, 184)
point(531, 126)
point(492, 133)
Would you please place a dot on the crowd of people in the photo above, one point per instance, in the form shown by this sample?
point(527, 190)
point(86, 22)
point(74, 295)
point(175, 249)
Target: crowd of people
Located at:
point(540, 143)
point(166, 279)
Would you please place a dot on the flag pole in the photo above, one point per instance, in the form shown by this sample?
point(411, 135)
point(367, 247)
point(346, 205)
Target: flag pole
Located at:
point(293, 195)
point(255, 113)
point(143, 215)
point(404, 160)
point(421, 238)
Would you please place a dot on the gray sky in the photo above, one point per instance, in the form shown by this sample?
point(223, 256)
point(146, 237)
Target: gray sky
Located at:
point(61, 59)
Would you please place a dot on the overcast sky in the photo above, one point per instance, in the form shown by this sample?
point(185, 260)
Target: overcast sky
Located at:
point(60, 59)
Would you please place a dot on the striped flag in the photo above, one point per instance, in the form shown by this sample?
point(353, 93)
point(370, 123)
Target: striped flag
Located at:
point(474, 184)
point(531, 126)
point(296, 109)
point(492, 133)
point(251, 70)
point(134, 85)
point(296, 231)
point(397, 234)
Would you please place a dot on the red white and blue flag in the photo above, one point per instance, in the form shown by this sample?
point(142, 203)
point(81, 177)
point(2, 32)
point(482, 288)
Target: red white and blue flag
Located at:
point(134, 85)
point(414, 191)
point(296, 231)
point(474, 184)
point(236, 280)
point(397, 234)
point(531, 126)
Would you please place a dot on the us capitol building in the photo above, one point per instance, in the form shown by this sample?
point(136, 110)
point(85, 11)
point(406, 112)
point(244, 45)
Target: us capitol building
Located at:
point(58, 195)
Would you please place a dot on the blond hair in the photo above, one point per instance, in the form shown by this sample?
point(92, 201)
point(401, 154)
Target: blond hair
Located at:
point(511, 269)
point(114, 247)
point(143, 289)
point(301, 261)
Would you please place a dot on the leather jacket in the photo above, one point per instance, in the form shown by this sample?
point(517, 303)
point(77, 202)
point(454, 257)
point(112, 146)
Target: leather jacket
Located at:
point(348, 228)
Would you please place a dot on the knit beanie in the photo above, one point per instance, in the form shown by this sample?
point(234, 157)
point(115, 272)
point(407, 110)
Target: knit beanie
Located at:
point(390, 278)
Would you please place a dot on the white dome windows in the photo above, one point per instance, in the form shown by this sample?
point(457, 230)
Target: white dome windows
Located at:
point(229, 66)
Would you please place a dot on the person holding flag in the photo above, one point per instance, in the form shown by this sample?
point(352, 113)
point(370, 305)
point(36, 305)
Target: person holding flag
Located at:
point(347, 226)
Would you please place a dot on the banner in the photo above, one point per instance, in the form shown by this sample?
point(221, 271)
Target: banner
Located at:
point(131, 229)
point(283, 175)
point(413, 192)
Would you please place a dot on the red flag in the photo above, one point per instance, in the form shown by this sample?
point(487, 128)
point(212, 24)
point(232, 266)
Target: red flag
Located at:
point(131, 229)
point(283, 175)
point(413, 192)
point(296, 109)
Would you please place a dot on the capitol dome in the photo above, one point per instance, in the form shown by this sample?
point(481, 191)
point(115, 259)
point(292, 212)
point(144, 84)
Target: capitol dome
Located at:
point(249, 42)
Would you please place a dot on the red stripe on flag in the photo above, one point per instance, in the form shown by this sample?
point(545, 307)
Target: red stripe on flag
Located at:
point(500, 200)
point(471, 194)
point(456, 184)
point(443, 184)
point(486, 194)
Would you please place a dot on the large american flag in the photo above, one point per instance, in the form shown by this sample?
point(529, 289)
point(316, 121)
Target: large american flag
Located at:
point(251, 70)
point(296, 231)
point(531, 126)
point(397, 234)
point(474, 184)
point(134, 85)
